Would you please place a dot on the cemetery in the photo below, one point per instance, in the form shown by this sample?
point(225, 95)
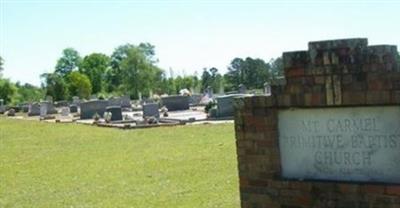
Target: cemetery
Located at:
point(200, 104)
point(126, 114)
point(324, 135)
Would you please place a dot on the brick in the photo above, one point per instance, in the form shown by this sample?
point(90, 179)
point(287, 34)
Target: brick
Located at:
point(354, 98)
point(304, 200)
point(318, 99)
point(372, 189)
point(395, 97)
point(378, 97)
point(294, 72)
point(301, 185)
point(348, 188)
point(393, 190)
point(284, 100)
point(319, 79)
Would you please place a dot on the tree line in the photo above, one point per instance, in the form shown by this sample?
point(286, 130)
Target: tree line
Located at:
point(132, 70)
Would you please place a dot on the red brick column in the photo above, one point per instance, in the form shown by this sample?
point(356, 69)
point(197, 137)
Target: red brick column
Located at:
point(331, 73)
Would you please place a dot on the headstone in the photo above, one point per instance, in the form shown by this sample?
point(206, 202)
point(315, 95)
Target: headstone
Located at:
point(73, 108)
point(151, 110)
point(114, 101)
point(140, 95)
point(34, 109)
point(65, 111)
point(25, 108)
point(46, 108)
point(43, 110)
point(242, 89)
point(11, 112)
point(209, 92)
point(267, 89)
point(76, 100)
point(2, 106)
point(90, 108)
point(116, 112)
point(176, 102)
point(126, 101)
point(195, 99)
point(225, 105)
point(61, 103)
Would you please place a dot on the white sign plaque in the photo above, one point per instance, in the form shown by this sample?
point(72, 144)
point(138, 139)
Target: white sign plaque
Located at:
point(341, 144)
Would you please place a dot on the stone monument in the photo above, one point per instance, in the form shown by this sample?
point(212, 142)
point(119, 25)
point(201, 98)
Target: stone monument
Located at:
point(176, 102)
point(330, 136)
point(151, 110)
point(116, 112)
point(90, 108)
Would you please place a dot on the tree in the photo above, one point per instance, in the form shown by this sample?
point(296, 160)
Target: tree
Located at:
point(276, 67)
point(69, 61)
point(27, 93)
point(55, 86)
point(211, 78)
point(205, 79)
point(253, 73)
point(79, 85)
point(139, 74)
point(1, 65)
point(95, 66)
point(257, 73)
point(7, 90)
point(235, 74)
point(114, 76)
point(149, 51)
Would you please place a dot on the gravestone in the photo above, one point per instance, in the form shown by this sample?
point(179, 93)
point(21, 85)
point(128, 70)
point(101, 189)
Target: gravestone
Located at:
point(34, 109)
point(65, 111)
point(25, 108)
point(242, 89)
point(225, 105)
point(267, 89)
point(151, 110)
point(126, 102)
point(195, 99)
point(90, 108)
point(114, 101)
point(209, 92)
point(46, 108)
point(176, 102)
point(76, 100)
point(73, 108)
point(330, 136)
point(2, 106)
point(11, 112)
point(116, 112)
point(43, 110)
point(61, 103)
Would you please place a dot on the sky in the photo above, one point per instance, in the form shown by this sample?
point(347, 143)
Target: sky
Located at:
point(188, 35)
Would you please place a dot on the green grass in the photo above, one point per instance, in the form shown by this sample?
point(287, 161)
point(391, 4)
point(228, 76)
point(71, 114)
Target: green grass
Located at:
point(72, 165)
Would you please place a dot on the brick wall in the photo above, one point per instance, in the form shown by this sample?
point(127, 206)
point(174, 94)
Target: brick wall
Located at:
point(331, 73)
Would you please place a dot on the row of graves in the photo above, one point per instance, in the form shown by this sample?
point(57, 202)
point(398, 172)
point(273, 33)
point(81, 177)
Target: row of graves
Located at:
point(122, 112)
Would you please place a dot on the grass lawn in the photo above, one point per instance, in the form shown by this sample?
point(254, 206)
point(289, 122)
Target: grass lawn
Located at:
point(72, 165)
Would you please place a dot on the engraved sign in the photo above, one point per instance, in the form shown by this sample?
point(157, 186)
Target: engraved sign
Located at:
point(341, 144)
